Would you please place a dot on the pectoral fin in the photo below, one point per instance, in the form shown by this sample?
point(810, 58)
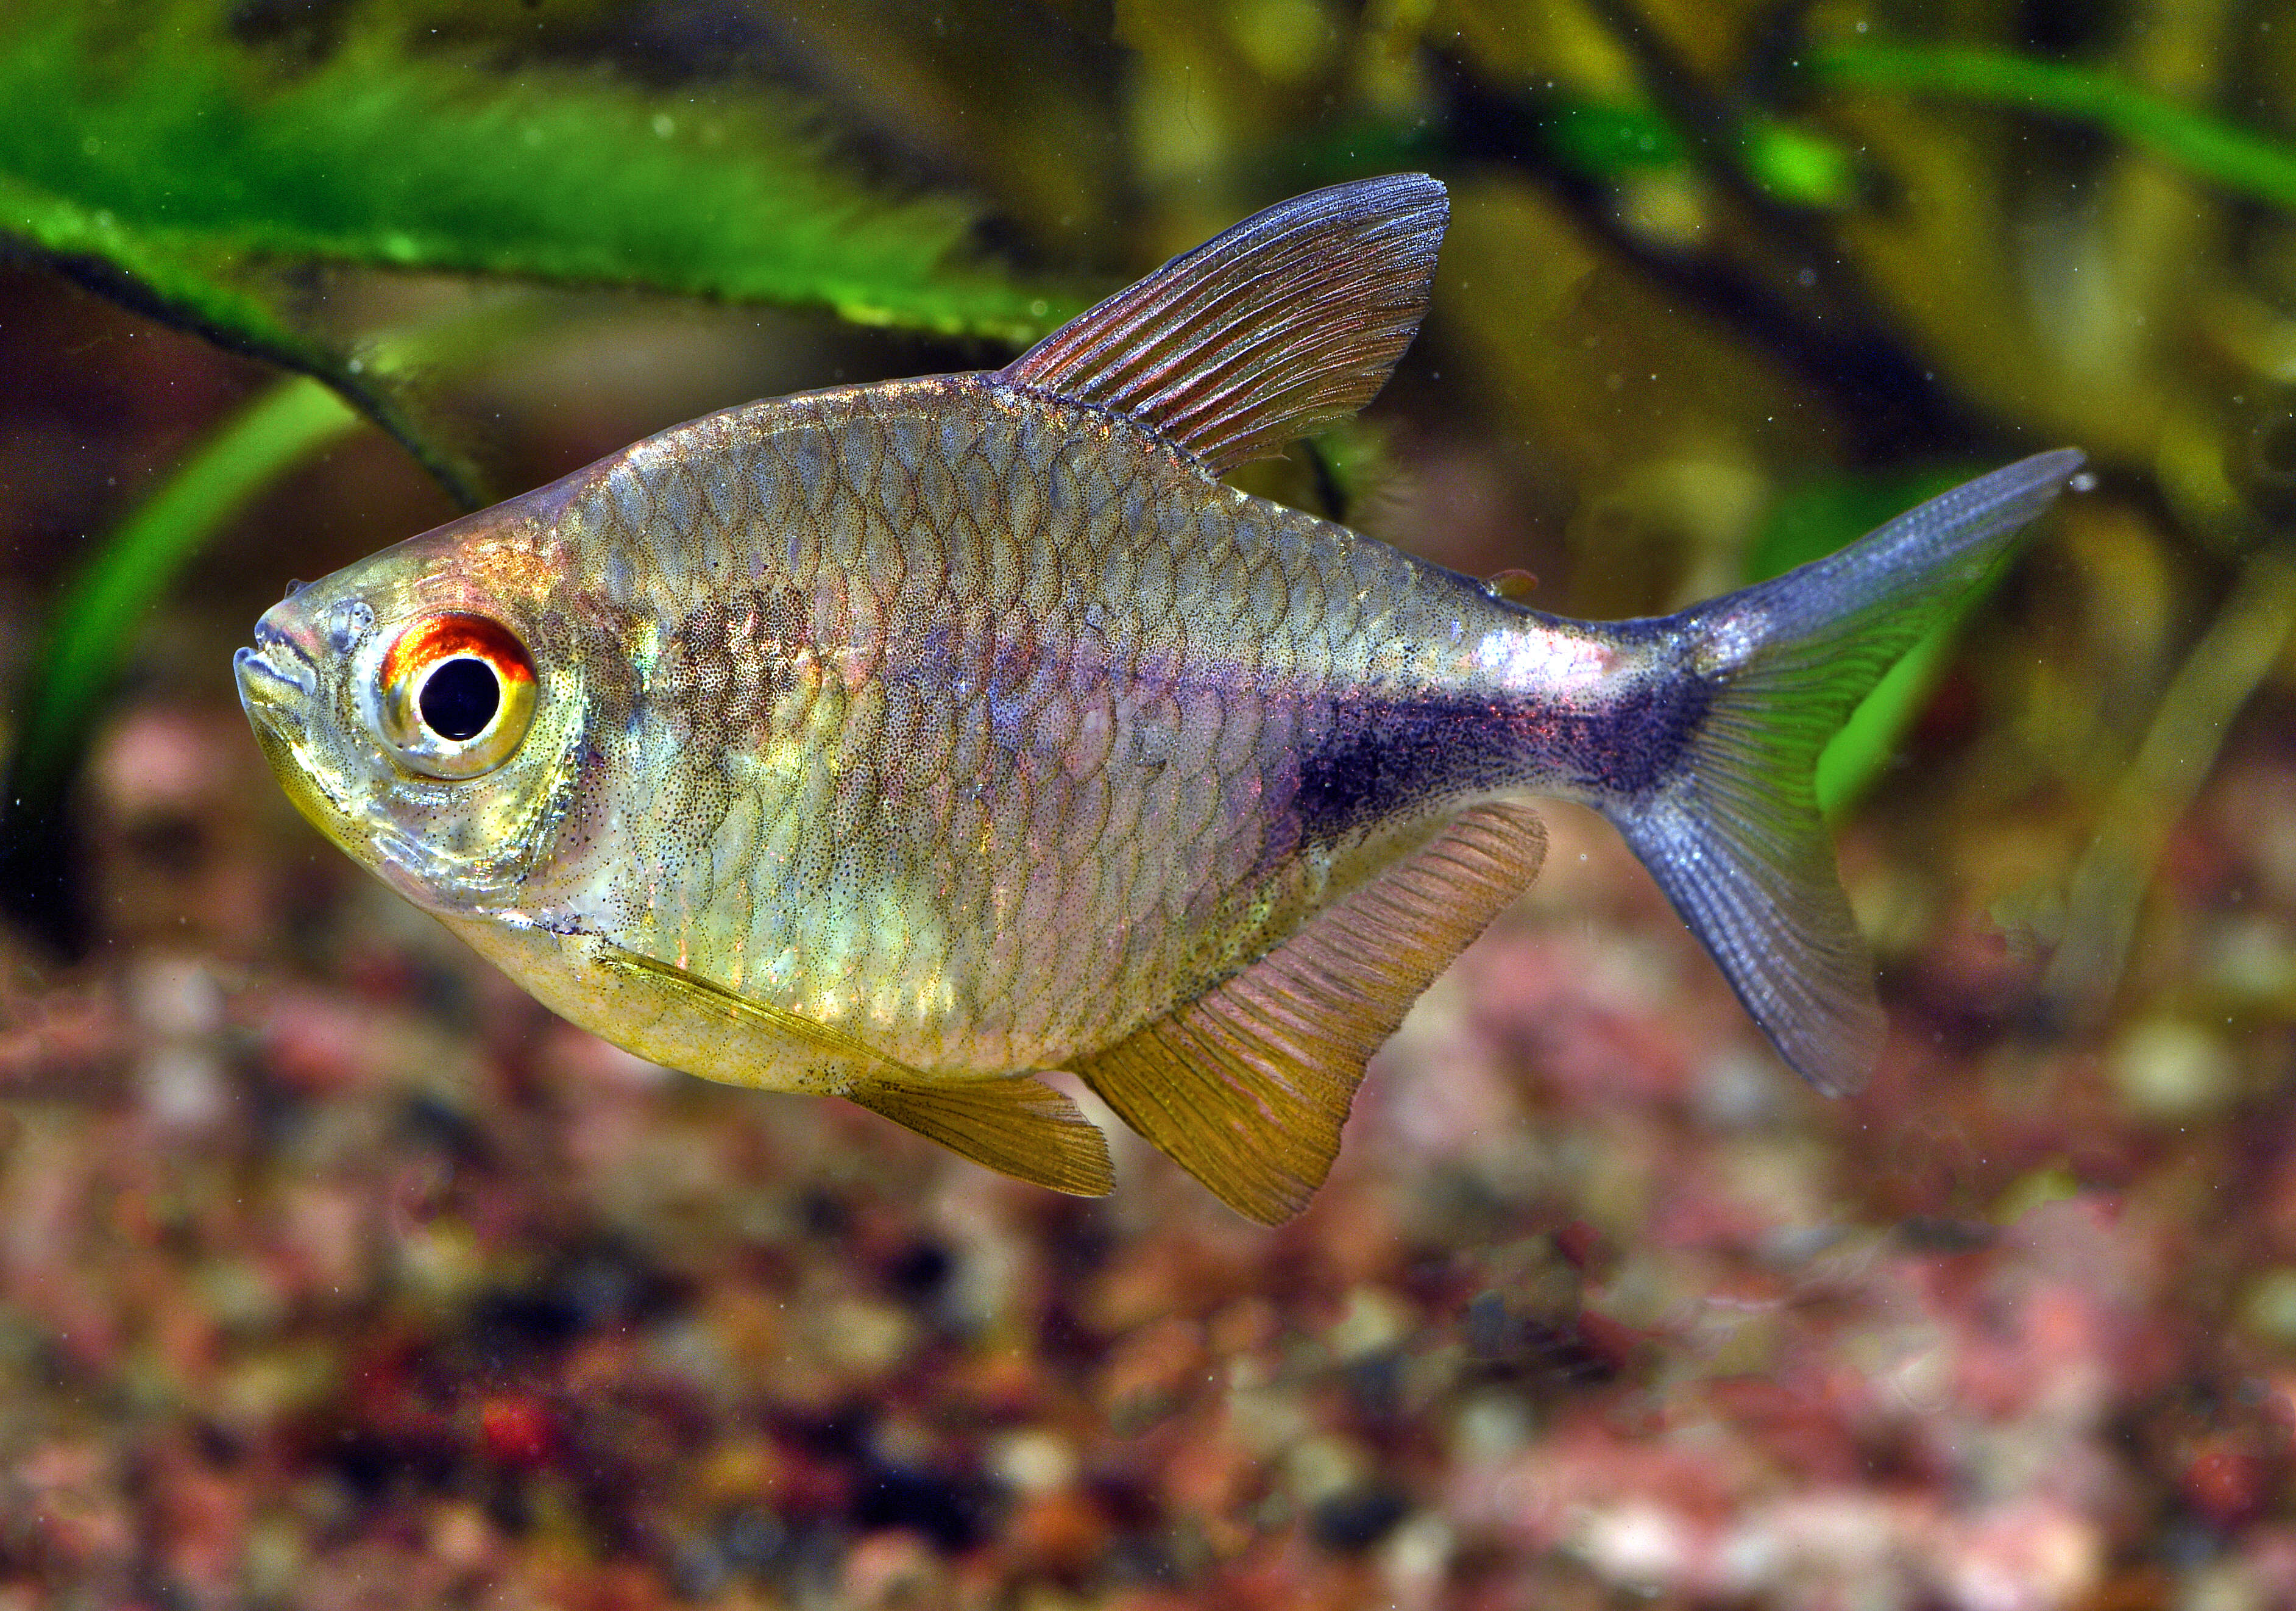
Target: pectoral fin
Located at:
point(698, 994)
point(1246, 1086)
point(1014, 1124)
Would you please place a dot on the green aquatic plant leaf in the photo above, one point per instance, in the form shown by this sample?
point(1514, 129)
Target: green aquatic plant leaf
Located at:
point(1612, 140)
point(190, 283)
point(1605, 140)
point(97, 617)
point(100, 616)
point(2205, 146)
point(167, 165)
point(1791, 164)
point(175, 140)
point(1812, 522)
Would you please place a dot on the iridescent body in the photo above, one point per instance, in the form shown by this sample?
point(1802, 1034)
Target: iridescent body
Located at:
point(985, 749)
point(897, 741)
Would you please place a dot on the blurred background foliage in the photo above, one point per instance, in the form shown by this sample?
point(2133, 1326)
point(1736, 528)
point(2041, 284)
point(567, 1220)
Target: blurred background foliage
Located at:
point(1699, 259)
point(1727, 284)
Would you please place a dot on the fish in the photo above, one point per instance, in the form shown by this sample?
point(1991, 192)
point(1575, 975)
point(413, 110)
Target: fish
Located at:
point(906, 742)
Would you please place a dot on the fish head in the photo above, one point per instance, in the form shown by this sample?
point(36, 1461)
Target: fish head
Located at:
point(425, 707)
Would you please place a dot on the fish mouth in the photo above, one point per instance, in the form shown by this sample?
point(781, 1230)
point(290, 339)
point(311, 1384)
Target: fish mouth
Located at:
point(278, 689)
point(277, 679)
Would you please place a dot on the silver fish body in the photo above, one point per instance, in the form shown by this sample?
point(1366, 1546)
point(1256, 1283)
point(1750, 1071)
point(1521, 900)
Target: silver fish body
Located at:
point(898, 741)
point(987, 732)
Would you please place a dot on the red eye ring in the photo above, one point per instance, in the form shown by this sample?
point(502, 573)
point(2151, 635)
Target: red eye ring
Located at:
point(424, 647)
point(443, 637)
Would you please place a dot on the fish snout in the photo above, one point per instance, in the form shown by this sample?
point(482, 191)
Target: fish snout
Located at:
point(277, 671)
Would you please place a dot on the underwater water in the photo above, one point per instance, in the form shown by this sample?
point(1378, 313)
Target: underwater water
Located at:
point(336, 1271)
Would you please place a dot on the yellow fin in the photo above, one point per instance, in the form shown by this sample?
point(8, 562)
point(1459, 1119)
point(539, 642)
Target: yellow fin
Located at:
point(1014, 1124)
point(717, 1002)
point(1246, 1086)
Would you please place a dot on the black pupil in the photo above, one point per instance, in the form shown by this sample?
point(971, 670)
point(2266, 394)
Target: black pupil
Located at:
point(459, 699)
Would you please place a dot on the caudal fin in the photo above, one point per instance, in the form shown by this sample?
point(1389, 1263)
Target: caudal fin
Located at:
point(1734, 835)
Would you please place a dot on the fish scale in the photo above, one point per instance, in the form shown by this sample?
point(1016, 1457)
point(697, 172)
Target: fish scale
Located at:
point(886, 558)
point(901, 742)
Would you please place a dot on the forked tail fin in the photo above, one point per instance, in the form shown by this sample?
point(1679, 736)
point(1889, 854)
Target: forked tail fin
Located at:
point(1734, 835)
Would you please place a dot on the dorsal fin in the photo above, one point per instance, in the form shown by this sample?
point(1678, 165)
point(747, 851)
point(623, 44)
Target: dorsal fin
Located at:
point(1293, 318)
point(1246, 1086)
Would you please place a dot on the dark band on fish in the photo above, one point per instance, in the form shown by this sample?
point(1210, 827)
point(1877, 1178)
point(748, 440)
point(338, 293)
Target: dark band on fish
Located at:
point(1628, 747)
point(1379, 758)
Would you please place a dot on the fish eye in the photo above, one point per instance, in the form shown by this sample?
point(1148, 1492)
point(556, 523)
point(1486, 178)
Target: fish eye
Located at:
point(457, 695)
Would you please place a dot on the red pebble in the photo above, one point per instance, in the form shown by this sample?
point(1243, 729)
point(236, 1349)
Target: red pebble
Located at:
point(1587, 1249)
point(515, 1428)
point(2227, 1482)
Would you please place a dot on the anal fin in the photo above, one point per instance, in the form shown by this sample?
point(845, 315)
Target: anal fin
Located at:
point(1247, 1087)
point(1014, 1124)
